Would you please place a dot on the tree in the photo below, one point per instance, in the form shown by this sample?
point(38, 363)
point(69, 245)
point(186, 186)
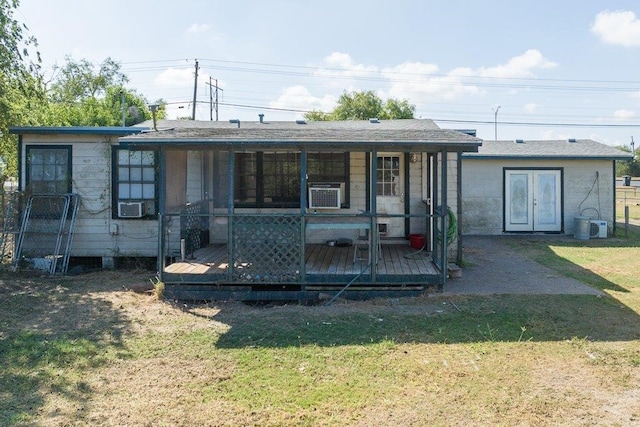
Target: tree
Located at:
point(363, 106)
point(78, 81)
point(628, 167)
point(20, 84)
point(85, 95)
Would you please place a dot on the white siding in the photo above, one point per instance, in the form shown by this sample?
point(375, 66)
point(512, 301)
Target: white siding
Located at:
point(587, 190)
point(91, 180)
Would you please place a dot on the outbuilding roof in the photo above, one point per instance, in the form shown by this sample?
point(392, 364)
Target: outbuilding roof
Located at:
point(548, 149)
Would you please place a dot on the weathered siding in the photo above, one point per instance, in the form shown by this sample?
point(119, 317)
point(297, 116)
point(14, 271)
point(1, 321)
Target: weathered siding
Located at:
point(91, 180)
point(587, 190)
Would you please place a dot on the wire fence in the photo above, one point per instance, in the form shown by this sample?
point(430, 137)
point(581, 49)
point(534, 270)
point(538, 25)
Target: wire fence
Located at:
point(628, 198)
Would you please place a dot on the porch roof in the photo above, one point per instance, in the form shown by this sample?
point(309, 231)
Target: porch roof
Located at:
point(404, 135)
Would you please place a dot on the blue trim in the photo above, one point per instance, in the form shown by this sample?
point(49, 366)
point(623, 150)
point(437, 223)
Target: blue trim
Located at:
point(76, 130)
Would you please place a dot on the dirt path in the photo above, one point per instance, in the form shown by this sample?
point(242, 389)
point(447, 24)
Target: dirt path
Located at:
point(495, 268)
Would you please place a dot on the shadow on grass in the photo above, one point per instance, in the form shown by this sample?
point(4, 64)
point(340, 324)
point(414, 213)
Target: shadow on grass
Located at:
point(541, 249)
point(456, 319)
point(54, 332)
point(505, 318)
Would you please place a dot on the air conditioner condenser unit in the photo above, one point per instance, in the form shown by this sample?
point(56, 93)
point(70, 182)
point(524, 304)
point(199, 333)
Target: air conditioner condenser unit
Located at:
point(598, 229)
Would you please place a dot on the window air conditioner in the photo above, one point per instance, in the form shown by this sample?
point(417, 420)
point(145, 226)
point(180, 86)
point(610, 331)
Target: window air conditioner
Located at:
point(131, 209)
point(324, 196)
point(598, 229)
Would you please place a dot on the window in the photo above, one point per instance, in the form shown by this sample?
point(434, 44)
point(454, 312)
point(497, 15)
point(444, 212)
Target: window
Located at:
point(388, 176)
point(135, 178)
point(48, 169)
point(272, 179)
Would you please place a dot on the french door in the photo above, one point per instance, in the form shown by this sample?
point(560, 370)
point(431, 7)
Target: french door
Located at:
point(533, 200)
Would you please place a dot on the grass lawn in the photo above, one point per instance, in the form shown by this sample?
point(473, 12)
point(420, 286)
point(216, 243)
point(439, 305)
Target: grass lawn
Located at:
point(86, 351)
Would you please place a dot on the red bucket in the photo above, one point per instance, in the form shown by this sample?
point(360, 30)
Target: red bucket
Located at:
point(416, 241)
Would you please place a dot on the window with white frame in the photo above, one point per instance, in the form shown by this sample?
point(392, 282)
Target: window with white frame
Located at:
point(135, 178)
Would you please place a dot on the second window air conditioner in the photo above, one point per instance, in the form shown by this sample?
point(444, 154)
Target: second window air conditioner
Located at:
point(131, 209)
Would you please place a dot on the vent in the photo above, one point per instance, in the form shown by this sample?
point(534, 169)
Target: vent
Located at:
point(571, 140)
point(131, 209)
point(324, 196)
point(519, 141)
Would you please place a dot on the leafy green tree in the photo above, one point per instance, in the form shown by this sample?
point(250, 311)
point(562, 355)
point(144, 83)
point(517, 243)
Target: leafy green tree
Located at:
point(79, 81)
point(20, 85)
point(363, 106)
point(83, 95)
point(628, 167)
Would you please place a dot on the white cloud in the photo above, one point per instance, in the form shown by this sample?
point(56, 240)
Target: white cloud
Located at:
point(530, 107)
point(519, 66)
point(622, 115)
point(198, 28)
point(419, 82)
point(175, 77)
point(619, 28)
point(299, 98)
point(340, 66)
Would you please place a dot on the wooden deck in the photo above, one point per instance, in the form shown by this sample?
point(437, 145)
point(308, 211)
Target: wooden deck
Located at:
point(396, 259)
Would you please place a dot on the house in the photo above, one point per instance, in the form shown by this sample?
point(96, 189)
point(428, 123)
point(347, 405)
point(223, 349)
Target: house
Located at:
point(539, 186)
point(257, 210)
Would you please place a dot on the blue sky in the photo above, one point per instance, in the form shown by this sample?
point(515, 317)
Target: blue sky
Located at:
point(548, 65)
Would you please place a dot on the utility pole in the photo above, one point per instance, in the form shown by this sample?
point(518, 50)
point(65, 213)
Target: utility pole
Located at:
point(211, 101)
point(495, 123)
point(195, 92)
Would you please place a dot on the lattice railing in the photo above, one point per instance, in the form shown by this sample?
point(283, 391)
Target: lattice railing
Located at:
point(267, 249)
point(194, 226)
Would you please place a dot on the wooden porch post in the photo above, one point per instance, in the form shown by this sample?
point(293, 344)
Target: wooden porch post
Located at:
point(230, 211)
point(443, 213)
point(303, 210)
point(373, 224)
point(162, 186)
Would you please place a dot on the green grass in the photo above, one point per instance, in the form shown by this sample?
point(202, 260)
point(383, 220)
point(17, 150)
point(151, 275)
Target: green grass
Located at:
point(83, 351)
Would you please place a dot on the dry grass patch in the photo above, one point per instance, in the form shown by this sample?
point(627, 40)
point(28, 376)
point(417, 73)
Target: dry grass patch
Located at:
point(87, 351)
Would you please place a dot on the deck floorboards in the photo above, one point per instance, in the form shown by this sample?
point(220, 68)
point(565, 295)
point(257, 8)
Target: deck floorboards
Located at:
point(396, 259)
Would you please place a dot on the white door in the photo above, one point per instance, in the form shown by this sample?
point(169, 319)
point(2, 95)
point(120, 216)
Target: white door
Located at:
point(533, 200)
point(390, 192)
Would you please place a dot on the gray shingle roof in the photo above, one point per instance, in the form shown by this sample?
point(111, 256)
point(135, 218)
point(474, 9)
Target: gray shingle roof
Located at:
point(551, 149)
point(405, 134)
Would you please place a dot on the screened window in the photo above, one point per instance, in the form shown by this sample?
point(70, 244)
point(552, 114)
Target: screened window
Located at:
point(273, 178)
point(48, 169)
